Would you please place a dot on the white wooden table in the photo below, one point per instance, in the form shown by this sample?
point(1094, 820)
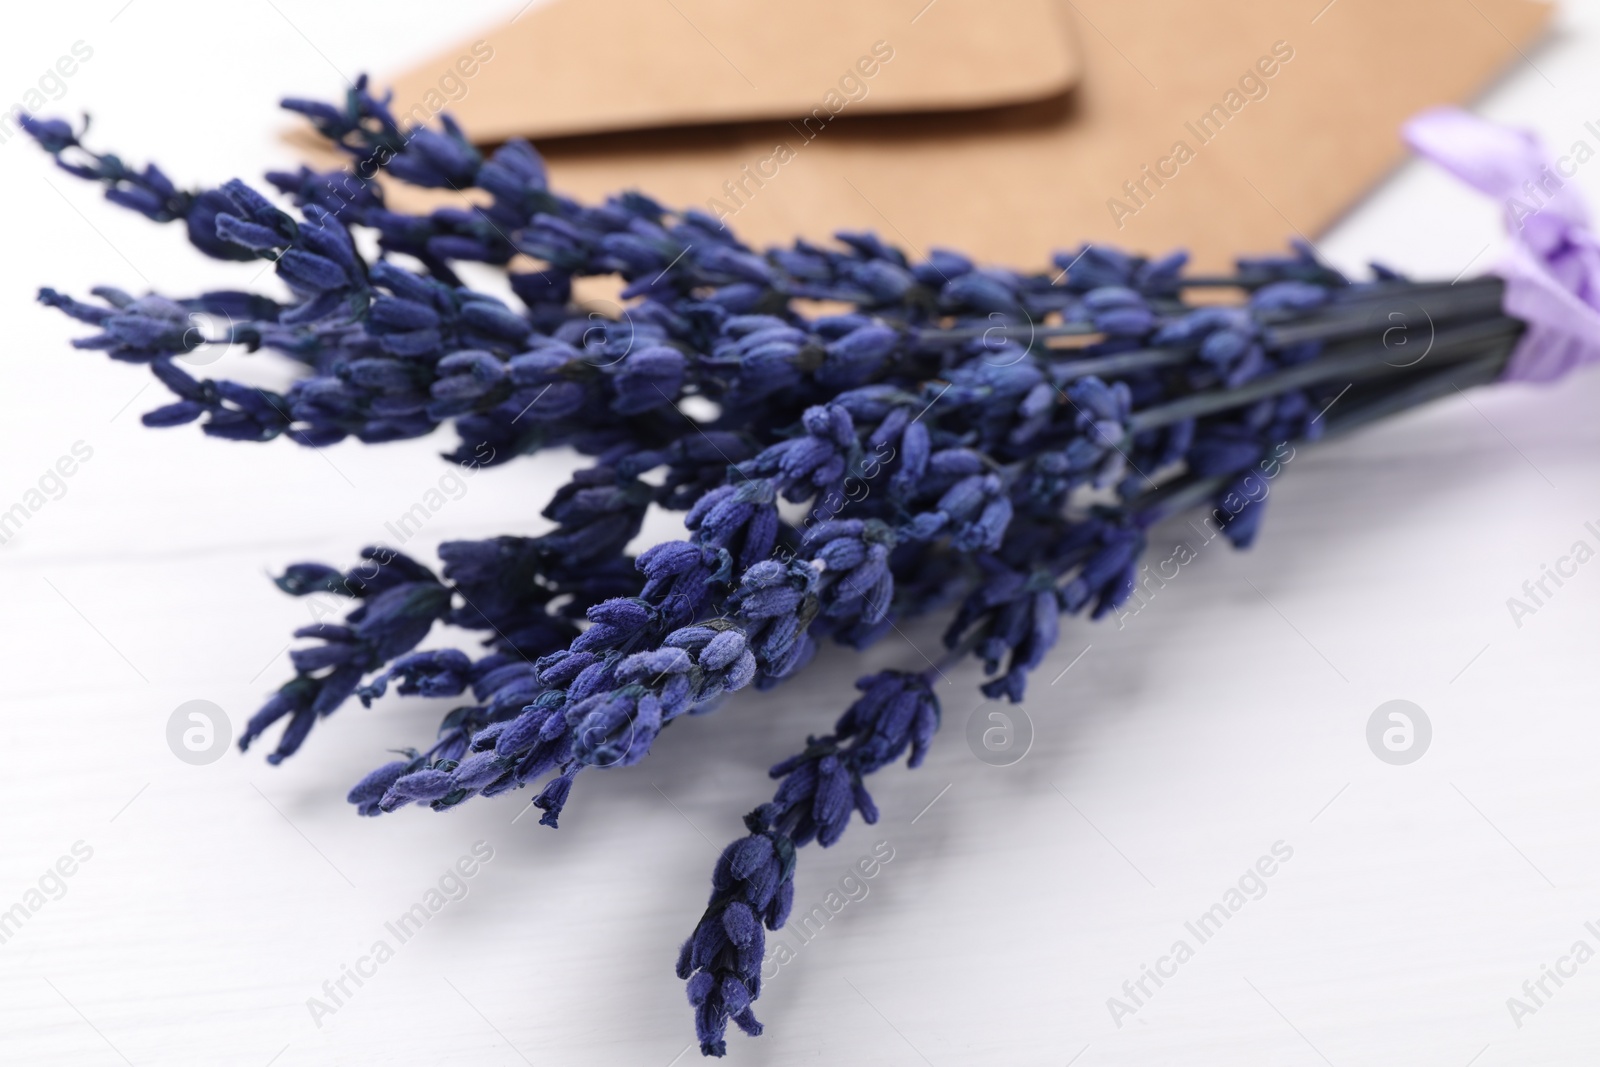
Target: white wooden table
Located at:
point(1228, 719)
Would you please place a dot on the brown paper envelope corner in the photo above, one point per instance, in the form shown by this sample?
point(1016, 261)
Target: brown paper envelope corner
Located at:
point(1035, 155)
point(572, 67)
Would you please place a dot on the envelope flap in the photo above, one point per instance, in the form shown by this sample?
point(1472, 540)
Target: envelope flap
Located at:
point(572, 67)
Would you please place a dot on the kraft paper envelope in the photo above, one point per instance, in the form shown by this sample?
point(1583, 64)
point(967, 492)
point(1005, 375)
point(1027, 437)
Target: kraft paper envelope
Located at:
point(1003, 128)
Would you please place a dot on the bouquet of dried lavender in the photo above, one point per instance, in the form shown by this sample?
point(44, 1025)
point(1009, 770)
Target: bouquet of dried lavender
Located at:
point(962, 439)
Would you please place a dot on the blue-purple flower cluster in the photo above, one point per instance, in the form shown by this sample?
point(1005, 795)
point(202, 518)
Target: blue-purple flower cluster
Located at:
point(960, 437)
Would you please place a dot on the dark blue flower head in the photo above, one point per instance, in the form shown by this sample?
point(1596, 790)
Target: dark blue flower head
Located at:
point(1012, 619)
point(53, 135)
point(896, 711)
point(1109, 572)
point(149, 191)
point(444, 673)
point(1096, 266)
point(367, 793)
point(399, 601)
point(1119, 312)
point(853, 558)
point(752, 887)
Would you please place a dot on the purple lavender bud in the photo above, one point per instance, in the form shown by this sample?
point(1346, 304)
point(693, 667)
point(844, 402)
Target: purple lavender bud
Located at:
point(522, 732)
point(1289, 296)
point(965, 497)
point(480, 369)
point(842, 553)
point(858, 355)
point(307, 660)
point(834, 800)
point(776, 912)
point(926, 527)
point(1223, 347)
point(779, 333)
point(740, 923)
point(642, 666)
point(700, 985)
point(748, 855)
point(832, 529)
point(742, 671)
point(864, 802)
point(560, 668)
point(679, 555)
point(736, 999)
point(1111, 298)
point(981, 291)
point(178, 414)
point(725, 648)
point(691, 637)
point(495, 320)
point(869, 246)
point(770, 602)
point(54, 135)
point(249, 235)
point(833, 327)
point(987, 532)
point(625, 613)
point(619, 729)
point(883, 282)
point(310, 272)
point(393, 314)
point(941, 266)
point(542, 367)
point(478, 770)
point(553, 797)
point(725, 262)
point(292, 698)
point(648, 378)
point(541, 287)
point(366, 793)
point(1126, 322)
point(591, 680)
point(423, 785)
point(678, 691)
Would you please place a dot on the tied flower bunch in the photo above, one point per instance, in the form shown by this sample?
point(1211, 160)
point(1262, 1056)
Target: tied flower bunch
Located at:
point(946, 437)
